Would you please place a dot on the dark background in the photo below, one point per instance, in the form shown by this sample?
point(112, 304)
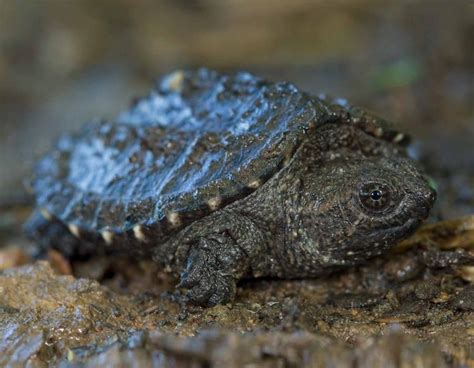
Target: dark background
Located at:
point(63, 62)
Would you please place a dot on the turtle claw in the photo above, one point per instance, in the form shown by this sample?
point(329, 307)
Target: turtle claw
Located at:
point(207, 285)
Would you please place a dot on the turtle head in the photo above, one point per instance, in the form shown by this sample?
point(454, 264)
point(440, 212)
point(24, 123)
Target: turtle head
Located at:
point(358, 205)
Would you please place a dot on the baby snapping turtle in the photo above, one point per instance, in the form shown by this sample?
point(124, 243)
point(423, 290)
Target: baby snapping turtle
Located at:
point(220, 177)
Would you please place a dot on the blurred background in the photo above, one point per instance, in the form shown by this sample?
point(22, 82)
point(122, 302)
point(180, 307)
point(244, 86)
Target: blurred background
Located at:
point(63, 62)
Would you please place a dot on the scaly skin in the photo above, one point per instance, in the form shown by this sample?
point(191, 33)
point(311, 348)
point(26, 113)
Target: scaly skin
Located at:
point(306, 221)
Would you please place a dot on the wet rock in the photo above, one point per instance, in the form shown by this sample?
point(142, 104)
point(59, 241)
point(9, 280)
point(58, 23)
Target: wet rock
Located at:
point(217, 348)
point(19, 346)
point(397, 350)
point(55, 314)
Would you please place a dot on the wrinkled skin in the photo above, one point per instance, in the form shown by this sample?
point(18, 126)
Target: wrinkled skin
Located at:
point(309, 219)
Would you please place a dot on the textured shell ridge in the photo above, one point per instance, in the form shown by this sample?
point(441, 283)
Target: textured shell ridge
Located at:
point(343, 112)
point(198, 141)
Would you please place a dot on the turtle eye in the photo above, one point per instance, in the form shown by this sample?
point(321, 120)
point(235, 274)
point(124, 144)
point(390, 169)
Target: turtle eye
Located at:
point(375, 197)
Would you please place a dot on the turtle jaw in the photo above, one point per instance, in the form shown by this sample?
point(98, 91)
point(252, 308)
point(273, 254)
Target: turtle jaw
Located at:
point(403, 231)
point(419, 210)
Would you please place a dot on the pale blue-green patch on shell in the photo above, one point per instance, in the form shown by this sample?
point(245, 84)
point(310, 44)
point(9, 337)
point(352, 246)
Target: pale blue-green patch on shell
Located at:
point(199, 141)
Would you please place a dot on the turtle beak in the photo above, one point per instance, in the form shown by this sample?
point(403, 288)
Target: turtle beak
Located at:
point(426, 200)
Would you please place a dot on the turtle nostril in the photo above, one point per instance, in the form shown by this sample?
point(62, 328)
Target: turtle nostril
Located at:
point(425, 201)
point(430, 196)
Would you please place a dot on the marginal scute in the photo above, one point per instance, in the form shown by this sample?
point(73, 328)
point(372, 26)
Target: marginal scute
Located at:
point(174, 81)
point(214, 203)
point(378, 132)
point(174, 219)
point(399, 137)
point(342, 112)
point(108, 236)
point(139, 234)
point(254, 184)
point(45, 213)
point(74, 229)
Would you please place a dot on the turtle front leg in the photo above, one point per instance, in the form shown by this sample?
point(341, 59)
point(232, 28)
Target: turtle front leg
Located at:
point(223, 249)
point(212, 270)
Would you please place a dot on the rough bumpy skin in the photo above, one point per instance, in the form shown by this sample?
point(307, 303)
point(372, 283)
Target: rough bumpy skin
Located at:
point(223, 177)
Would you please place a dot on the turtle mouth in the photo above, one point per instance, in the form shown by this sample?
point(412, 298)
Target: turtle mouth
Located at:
point(404, 230)
point(385, 239)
